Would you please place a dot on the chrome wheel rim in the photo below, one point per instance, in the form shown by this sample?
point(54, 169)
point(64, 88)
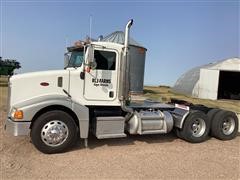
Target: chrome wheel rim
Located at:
point(228, 126)
point(54, 133)
point(198, 127)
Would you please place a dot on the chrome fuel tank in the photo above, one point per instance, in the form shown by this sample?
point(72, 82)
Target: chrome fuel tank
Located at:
point(150, 122)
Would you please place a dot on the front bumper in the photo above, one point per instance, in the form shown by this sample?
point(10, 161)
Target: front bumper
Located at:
point(17, 128)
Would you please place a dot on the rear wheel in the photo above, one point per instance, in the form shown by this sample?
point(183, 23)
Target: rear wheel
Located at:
point(196, 127)
point(177, 132)
point(225, 125)
point(211, 114)
point(54, 132)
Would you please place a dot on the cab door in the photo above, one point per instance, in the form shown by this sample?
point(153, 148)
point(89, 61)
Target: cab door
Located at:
point(100, 84)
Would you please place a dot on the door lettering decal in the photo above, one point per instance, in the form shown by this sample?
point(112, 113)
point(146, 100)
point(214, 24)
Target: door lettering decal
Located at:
point(101, 82)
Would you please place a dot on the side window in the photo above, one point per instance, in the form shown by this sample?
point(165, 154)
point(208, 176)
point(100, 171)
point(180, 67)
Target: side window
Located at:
point(105, 60)
point(76, 59)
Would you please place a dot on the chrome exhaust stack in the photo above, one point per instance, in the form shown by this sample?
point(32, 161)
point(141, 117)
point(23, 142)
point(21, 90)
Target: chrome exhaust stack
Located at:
point(124, 80)
point(126, 39)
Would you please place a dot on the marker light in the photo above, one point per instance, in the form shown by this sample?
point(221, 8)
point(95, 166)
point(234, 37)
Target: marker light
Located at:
point(18, 114)
point(78, 44)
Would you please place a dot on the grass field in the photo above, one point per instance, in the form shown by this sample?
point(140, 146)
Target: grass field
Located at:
point(3, 92)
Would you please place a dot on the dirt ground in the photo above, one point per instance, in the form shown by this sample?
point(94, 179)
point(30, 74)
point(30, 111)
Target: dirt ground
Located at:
point(134, 157)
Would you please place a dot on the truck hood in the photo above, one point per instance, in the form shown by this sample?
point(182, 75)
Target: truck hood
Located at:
point(37, 73)
point(30, 85)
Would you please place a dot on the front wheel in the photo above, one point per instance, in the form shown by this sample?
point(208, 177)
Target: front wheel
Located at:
point(54, 132)
point(196, 127)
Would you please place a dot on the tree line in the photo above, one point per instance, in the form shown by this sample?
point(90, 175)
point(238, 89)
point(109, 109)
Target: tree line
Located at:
point(7, 66)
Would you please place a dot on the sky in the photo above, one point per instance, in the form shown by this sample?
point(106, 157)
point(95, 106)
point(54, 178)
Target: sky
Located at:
point(178, 35)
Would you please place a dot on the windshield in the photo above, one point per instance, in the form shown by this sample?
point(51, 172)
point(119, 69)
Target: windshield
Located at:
point(76, 59)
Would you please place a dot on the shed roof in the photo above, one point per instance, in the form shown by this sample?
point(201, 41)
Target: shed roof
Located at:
point(119, 37)
point(187, 82)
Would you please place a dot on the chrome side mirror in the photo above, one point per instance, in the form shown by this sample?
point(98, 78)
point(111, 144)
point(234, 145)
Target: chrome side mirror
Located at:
point(89, 56)
point(66, 60)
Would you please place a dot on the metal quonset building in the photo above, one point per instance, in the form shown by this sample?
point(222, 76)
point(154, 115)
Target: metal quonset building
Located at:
point(218, 80)
point(137, 54)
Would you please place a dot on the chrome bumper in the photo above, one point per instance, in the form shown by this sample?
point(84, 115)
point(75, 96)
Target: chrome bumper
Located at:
point(17, 128)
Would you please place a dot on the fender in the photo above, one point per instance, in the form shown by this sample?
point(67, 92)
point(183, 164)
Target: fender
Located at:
point(31, 106)
point(179, 116)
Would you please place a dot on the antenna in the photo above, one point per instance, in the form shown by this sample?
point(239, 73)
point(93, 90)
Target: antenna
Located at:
point(90, 27)
point(66, 43)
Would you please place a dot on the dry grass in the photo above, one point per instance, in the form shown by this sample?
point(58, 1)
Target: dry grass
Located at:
point(3, 93)
point(165, 94)
point(3, 81)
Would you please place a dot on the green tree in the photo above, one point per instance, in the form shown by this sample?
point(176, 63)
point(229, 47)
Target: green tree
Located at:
point(7, 66)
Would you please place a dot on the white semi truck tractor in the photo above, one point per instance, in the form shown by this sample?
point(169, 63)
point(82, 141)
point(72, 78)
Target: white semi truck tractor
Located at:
point(92, 95)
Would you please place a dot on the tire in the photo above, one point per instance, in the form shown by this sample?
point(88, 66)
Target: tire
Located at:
point(54, 132)
point(211, 114)
point(196, 127)
point(225, 125)
point(177, 132)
